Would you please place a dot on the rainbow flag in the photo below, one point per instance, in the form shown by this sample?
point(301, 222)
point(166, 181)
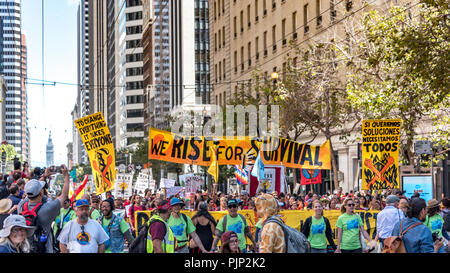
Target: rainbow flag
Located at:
point(241, 175)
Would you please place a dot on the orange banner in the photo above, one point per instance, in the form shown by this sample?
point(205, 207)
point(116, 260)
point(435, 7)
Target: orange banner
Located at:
point(166, 146)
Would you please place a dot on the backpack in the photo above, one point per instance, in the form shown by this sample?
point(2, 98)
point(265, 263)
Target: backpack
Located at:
point(296, 242)
point(31, 219)
point(395, 244)
point(139, 245)
point(224, 222)
point(446, 221)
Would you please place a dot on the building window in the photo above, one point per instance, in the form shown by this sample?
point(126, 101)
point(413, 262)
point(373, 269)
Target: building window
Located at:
point(256, 11)
point(283, 31)
point(305, 18)
point(274, 37)
point(248, 16)
point(294, 25)
point(318, 16)
point(242, 21)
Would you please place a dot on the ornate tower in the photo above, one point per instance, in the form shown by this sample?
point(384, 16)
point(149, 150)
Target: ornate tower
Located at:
point(50, 151)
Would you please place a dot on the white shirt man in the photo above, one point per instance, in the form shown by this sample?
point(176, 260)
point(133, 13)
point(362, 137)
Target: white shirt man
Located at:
point(82, 235)
point(388, 217)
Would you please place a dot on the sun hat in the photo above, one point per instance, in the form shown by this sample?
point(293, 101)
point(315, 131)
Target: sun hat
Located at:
point(175, 201)
point(5, 205)
point(15, 220)
point(432, 203)
point(34, 187)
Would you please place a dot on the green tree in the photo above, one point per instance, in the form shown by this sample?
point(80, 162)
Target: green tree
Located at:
point(400, 68)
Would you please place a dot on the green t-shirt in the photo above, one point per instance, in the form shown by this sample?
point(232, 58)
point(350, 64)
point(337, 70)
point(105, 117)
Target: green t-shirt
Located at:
point(237, 225)
point(435, 223)
point(350, 231)
point(317, 236)
point(95, 214)
point(178, 227)
point(123, 225)
point(67, 218)
point(259, 224)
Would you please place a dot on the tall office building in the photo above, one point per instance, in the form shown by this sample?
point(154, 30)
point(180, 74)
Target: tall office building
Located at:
point(24, 118)
point(130, 90)
point(97, 48)
point(12, 71)
point(179, 79)
point(81, 108)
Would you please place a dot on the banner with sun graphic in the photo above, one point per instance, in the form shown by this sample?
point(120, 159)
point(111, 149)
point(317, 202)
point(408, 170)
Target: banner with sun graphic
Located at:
point(380, 152)
point(100, 148)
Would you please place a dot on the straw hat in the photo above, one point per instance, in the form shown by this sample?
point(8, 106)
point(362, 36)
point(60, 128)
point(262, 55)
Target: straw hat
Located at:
point(432, 203)
point(5, 205)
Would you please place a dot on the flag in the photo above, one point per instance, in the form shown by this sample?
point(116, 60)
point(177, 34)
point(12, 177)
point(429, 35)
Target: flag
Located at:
point(80, 190)
point(214, 167)
point(241, 175)
point(258, 168)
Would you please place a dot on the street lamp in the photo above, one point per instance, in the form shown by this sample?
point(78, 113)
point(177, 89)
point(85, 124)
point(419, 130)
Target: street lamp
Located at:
point(274, 75)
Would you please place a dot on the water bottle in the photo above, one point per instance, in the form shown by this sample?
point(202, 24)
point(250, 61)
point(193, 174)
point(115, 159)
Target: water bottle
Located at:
point(43, 238)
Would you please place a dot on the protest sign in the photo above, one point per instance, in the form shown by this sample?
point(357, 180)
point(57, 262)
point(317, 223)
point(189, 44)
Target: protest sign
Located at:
point(309, 177)
point(380, 151)
point(273, 180)
point(174, 190)
point(100, 149)
point(183, 178)
point(142, 183)
point(167, 183)
point(193, 183)
point(123, 185)
point(166, 146)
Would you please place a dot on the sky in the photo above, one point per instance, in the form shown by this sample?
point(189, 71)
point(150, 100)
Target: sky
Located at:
point(49, 108)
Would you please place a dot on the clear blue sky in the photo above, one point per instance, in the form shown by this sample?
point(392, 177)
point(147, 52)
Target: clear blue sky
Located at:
point(51, 111)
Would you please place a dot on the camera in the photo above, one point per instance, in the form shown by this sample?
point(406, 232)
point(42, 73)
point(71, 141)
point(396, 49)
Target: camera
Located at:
point(435, 236)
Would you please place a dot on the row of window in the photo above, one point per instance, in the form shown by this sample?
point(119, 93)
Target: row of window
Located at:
point(134, 57)
point(135, 99)
point(135, 85)
point(134, 71)
point(134, 16)
point(133, 3)
point(133, 30)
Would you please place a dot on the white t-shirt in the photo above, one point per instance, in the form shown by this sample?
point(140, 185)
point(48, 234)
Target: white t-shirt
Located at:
point(72, 236)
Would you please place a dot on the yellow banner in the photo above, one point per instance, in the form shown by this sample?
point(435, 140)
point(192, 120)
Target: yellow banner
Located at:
point(166, 146)
point(380, 151)
point(293, 218)
point(100, 148)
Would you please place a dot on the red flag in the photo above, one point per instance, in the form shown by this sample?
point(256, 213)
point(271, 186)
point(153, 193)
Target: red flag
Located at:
point(79, 189)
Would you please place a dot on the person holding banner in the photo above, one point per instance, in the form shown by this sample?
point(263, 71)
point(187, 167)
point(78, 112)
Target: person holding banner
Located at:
point(182, 227)
point(318, 230)
point(349, 229)
point(160, 237)
point(237, 223)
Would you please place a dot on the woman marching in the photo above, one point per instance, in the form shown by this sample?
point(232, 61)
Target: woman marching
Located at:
point(349, 227)
point(317, 229)
point(205, 227)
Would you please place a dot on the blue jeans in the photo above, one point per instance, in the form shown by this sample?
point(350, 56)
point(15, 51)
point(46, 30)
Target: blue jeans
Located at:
point(317, 250)
point(358, 250)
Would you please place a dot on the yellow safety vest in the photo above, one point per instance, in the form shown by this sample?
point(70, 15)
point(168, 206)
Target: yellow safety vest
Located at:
point(168, 244)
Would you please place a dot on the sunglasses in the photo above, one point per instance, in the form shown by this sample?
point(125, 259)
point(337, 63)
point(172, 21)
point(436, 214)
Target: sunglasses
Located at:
point(351, 205)
point(232, 206)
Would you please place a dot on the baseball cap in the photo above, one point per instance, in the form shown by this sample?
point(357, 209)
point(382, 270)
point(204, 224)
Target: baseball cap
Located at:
point(34, 187)
point(82, 203)
point(232, 202)
point(176, 201)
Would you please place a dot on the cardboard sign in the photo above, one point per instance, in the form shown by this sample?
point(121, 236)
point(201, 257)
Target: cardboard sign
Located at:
point(380, 152)
point(123, 187)
point(193, 183)
point(183, 178)
point(273, 180)
point(174, 190)
point(99, 146)
point(166, 146)
point(167, 183)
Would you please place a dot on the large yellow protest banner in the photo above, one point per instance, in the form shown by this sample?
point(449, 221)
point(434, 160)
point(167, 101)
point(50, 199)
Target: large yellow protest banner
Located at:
point(292, 218)
point(380, 151)
point(99, 146)
point(166, 146)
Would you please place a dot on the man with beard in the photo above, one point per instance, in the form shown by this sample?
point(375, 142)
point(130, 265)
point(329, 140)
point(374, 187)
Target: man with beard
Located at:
point(82, 235)
point(116, 228)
